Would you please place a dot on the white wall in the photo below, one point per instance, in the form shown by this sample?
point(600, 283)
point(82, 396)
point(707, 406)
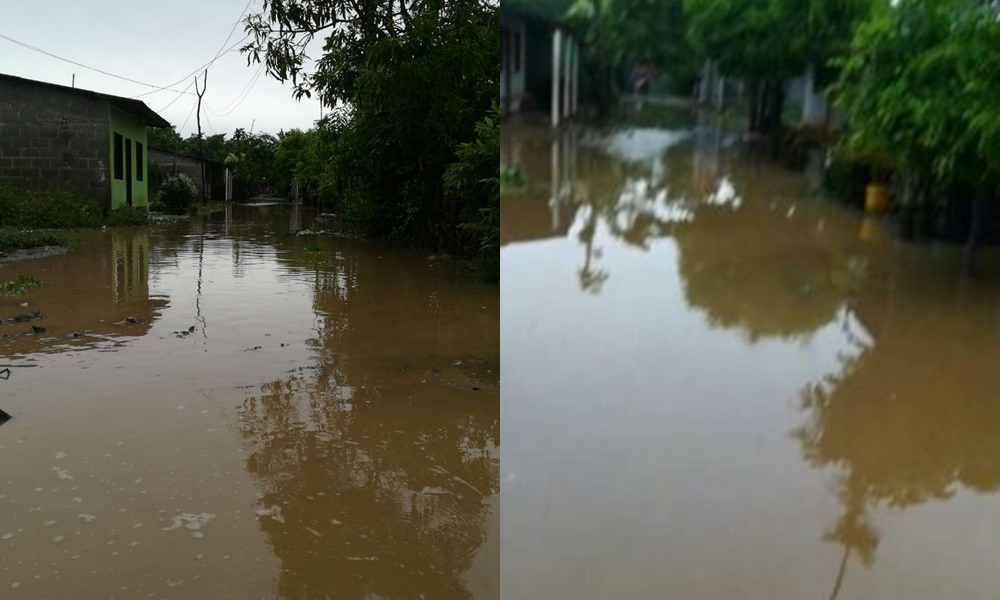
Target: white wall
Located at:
point(517, 78)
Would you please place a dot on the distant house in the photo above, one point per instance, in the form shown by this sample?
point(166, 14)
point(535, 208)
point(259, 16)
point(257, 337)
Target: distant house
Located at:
point(86, 142)
point(539, 60)
point(170, 163)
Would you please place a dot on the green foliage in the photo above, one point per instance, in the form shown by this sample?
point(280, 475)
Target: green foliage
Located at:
point(46, 209)
point(177, 195)
point(128, 216)
point(617, 35)
point(18, 239)
point(919, 88)
point(511, 179)
point(768, 41)
point(475, 178)
point(251, 156)
point(22, 284)
point(415, 84)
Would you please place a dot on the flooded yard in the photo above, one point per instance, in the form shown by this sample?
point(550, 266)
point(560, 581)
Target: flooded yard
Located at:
point(223, 409)
point(718, 385)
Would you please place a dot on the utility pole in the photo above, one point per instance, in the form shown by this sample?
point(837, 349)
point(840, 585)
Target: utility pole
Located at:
point(201, 145)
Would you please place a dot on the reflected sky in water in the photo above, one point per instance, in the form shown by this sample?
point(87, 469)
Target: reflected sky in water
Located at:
point(250, 413)
point(709, 369)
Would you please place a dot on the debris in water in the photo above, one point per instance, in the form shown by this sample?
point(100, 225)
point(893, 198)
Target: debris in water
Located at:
point(5, 374)
point(25, 317)
point(190, 521)
point(4, 417)
point(274, 512)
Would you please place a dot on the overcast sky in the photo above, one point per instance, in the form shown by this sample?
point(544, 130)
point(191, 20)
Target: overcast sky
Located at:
point(155, 43)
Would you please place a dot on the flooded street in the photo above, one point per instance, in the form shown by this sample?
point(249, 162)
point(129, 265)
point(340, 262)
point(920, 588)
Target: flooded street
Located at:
point(222, 409)
point(718, 385)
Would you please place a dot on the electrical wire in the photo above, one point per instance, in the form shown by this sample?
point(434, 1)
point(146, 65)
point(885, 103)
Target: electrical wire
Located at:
point(179, 96)
point(192, 73)
point(222, 50)
point(238, 96)
point(81, 65)
point(245, 95)
point(190, 112)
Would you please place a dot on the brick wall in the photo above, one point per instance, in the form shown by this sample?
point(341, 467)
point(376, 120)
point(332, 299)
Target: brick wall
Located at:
point(54, 138)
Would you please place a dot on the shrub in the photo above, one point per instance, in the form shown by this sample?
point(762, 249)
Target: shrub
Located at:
point(128, 216)
point(476, 179)
point(46, 209)
point(177, 195)
point(15, 239)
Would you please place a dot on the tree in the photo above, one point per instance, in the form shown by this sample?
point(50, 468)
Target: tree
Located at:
point(919, 88)
point(412, 78)
point(768, 41)
point(618, 34)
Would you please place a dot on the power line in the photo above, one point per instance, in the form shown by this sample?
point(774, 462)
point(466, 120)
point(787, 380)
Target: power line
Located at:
point(232, 31)
point(209, 123)
point(246, 94)
point(179, 96)
point(73, 62)
point(188, 76)
point(238, 96)
point(222, 50)
point(191, 112)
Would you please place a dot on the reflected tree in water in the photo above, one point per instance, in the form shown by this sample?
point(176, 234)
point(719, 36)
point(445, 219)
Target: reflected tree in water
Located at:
point(912, 418)
point(373, 479)
point(759, 268)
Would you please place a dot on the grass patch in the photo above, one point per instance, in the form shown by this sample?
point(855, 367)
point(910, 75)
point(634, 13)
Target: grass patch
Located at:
point(15, 239)
point(49, 209)
point(20, 285)
point(128, 216)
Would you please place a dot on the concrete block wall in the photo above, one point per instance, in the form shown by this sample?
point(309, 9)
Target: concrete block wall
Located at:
point(54, 138)
point(192, 168)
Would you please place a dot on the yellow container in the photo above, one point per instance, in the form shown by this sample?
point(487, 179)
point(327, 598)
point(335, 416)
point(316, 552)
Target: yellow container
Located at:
point(871, 231)
point(876, 198)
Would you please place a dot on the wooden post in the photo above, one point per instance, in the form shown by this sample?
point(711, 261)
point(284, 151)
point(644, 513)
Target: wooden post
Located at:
point(201, 145)
point(556, 74)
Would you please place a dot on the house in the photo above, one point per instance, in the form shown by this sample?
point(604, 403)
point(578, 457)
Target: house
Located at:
point(86, 142)
point(170, 163)
point(539, 60)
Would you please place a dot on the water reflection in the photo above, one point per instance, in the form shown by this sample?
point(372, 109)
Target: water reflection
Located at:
point(700, 305)
point(110, 297)
point(733, 230)
point(378, 463)
point(915, 416)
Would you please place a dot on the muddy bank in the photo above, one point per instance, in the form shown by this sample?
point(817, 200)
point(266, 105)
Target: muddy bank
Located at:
point(29, 253)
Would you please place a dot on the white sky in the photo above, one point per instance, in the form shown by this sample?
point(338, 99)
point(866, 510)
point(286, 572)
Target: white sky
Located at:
point(156, 43)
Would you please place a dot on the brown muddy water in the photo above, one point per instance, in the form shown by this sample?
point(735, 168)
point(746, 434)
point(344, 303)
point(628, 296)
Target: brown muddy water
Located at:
point(718, 385)
point(287, 417)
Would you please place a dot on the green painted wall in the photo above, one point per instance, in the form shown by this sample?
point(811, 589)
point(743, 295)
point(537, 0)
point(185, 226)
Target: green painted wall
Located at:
point(132, 128)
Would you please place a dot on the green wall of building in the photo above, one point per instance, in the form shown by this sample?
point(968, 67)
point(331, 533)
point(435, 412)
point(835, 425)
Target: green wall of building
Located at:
point(129, 128)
